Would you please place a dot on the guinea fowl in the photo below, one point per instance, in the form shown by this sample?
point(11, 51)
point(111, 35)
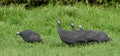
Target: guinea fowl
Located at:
point(69, 37)
point(97, 36)
point(30, 36)
point(92, 35)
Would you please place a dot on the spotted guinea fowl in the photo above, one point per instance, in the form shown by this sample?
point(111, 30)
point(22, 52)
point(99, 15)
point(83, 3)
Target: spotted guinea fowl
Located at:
point(30, 36)
point(91, 35)
point(69, 37)
point(97, 36)
point(94, 35)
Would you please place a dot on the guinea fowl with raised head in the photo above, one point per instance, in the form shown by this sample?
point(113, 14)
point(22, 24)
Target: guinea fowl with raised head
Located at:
point(69, 37)
point(94, 35)
point(91, 35)
point(97, 36)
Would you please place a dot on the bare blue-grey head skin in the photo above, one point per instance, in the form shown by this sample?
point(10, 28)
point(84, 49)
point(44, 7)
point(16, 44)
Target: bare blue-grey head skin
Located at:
point(80, 26)
point(18, 33)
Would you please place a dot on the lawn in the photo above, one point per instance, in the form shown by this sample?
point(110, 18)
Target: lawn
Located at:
point(43, 19)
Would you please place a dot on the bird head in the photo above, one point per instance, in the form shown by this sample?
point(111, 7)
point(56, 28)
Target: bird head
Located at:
point(80, 26)
point(18, 33)
point(58, 22)
point(72, 24)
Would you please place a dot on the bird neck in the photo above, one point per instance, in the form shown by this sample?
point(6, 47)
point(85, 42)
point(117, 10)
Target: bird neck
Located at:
point(73, 28)
point(59, 26)
point(80, 29)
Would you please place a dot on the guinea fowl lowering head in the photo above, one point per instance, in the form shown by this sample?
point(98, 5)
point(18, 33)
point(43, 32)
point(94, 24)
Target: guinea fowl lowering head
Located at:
point(29, 36)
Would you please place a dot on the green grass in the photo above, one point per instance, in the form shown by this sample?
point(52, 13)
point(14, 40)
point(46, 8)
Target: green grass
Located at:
point(43, 21)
